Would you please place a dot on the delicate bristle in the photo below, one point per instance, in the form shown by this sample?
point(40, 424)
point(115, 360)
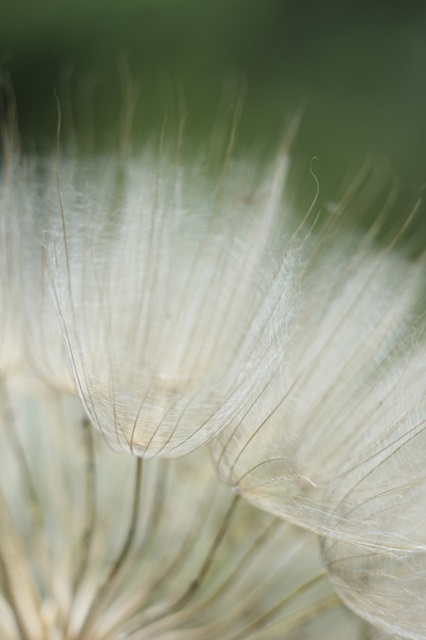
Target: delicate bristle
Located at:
point(170, 309)
point(174, 308)
point(96, 545)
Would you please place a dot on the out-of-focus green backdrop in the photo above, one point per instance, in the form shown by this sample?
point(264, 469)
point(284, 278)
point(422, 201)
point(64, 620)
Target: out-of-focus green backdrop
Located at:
point(357, 69)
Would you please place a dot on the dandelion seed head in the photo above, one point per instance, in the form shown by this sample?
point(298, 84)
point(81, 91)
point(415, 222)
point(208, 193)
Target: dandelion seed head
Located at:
point(92, 548)
point(168, 303)
point(170, 310)
point(389, 591)
point(333, 443)
point(31, 334)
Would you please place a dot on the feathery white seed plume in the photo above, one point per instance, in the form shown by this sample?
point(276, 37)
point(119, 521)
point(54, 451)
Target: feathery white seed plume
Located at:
point(96, 545)
point(13, 207)
point(335, 442)
point(30, 331)
point(387, 590)
point(173, 299)
point(188, 316)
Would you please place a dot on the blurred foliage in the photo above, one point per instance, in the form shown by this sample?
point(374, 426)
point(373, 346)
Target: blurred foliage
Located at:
point(356, 69)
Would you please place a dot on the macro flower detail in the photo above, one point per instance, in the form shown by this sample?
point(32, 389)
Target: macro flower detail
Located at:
point(173, 306)
point(99, 545)
point(386, 589)
point(336, 443)
point(30, 331)
point(11, 271)
point(198, 320)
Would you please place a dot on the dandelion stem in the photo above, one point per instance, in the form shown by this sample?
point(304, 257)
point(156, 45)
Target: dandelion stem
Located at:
point(104, 591)
point(88, 530)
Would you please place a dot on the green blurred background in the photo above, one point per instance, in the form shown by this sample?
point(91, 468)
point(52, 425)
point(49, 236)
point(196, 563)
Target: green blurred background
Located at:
point(358, 70)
